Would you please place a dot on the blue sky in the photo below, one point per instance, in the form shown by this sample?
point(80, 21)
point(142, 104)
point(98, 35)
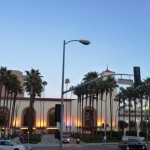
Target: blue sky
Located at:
point(32, 34)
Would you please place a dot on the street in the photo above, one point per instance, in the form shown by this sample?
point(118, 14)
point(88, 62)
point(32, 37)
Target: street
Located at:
point(48, 142)
point(79, 147)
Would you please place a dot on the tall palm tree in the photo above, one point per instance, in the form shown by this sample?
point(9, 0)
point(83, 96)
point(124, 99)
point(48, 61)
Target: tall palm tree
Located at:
point(67, 81)
point(118, 98)
point(44, 84)
point(14, 88)
point(101, 88)
point(3, 76)
point(129, 96)
point(147, 92)
point(123, 93)
point(34, 87)
point(92, 87)
point(106, 95)
point(83, 89)
point(77, 92)
point(141, 91)
point(112, 84)
point(135, 98)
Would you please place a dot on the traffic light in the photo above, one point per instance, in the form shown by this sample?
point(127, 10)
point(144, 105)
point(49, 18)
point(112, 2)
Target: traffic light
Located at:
point(137, 76)
point(57, 113)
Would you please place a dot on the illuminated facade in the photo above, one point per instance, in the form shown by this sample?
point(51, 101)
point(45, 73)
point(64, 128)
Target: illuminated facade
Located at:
point(77, 115)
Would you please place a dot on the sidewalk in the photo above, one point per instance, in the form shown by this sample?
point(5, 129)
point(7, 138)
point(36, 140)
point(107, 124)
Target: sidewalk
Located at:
point(49, 139)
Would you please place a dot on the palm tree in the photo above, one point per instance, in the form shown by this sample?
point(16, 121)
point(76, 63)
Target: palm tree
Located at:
point(44, 84)
point(141, 91)
point(3, 76)
point(135, 98)
point(34, 87)
point(129, 96)
point(77, 92)
point(14, 88)
point(118, 98)
point(92, 88)
point(123, 93)
point(11, 89)
point(101, 88)
point(67, 81)
point(82, 90)
point(106, 95)
point(147, 92)
point(4, 73)
point(112, 84)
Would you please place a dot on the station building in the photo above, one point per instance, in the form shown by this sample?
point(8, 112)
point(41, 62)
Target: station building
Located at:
point(77, 114)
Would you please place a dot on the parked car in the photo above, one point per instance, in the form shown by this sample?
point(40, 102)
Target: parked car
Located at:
point(65, 139)
point(10, 145)
point(132, 144)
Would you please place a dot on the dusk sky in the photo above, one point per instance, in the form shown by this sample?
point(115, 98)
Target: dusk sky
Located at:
point(32, 34)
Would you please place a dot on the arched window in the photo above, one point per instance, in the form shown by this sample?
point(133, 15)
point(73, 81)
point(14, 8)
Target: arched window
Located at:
point(51, 117)
point(25, 117)
point(89, 118)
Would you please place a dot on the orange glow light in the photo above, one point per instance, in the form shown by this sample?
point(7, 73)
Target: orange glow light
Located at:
point(68, 122)
point(78, 123)
point(17, 122)
point(40, 124)
point(99, 123)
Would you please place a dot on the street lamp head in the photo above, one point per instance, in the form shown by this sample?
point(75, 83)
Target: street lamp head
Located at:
point(85, 42)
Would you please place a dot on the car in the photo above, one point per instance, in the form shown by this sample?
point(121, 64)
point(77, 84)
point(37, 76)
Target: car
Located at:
point(65, 139)
point(10, 145)
point(132, 144)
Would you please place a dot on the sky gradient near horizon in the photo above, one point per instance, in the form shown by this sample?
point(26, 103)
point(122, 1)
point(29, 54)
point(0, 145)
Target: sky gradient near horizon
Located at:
point(32, 34)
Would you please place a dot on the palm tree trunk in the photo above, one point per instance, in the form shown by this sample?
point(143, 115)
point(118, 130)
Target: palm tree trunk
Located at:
point(96, 112)
point(77, 112)
point(129, 114)
point(110, 114)
point(101, 107)
point(124, 110)
point(106, 115)
point(13, 110)
point(1, 88)
point(141, 114)
point(82, 111)
point(30, 117)
point(135, 112)
point(4, 111)
point(80, 115)
point(10, 112)
point(40, 113)
point(119, 113)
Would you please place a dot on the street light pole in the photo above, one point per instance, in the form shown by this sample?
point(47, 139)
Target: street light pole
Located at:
point(105, 136)
point(62, 97)
point(85, 42)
